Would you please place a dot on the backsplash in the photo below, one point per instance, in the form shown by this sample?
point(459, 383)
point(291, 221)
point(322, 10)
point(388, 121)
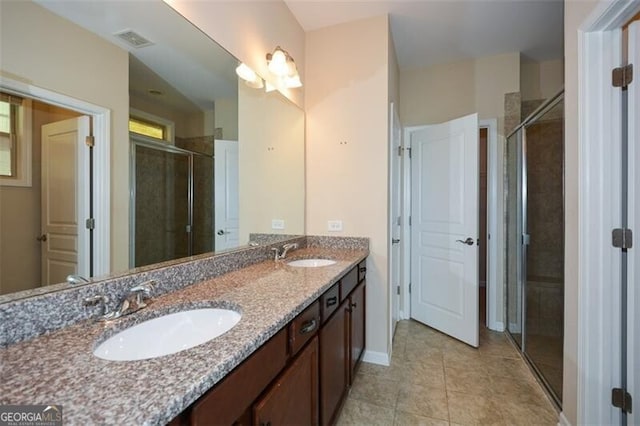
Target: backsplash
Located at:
point(31, 315)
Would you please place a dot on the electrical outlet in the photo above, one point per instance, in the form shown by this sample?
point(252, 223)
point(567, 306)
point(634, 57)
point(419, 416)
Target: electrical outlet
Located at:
point(277, 224)
point(334, 225)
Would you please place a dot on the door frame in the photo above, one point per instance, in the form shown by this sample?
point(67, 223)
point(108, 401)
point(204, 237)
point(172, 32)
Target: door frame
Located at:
point(495, 213)
point(101, 129)
point(495, 255)
point(599, 210)
point(393, 295)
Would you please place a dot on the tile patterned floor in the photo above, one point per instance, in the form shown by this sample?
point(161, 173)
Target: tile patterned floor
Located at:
point(436, 380)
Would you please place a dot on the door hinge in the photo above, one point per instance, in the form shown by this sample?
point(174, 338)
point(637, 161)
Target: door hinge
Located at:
point(409, 220)
point(409, 287)
point(399, 220)
point(90, 141)
point(400, 148)
point(622, 238)
point(623, 76)
point(187, 229)
point(622, 399)
point(409, 149)
point(90, 223)
point(398, 290)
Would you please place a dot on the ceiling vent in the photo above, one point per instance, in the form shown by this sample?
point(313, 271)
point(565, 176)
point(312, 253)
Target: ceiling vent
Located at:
point(133, 39)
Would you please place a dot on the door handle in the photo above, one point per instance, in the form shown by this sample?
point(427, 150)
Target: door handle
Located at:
point(42, 238)
point(468, 241)
point(220, 232)
point(395, 240)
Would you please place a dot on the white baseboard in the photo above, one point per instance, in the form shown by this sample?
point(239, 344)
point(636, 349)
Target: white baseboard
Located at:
point(497, 326)
point(563, 421)
point(379, 358)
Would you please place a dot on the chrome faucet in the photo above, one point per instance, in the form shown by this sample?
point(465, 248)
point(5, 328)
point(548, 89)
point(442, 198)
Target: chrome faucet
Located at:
point(285, 250)
point(132, 302)
point(76, 279)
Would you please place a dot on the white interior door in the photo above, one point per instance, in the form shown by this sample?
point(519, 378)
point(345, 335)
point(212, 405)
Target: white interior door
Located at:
point(65, 245)
point(444, 229)
point(633, 293)
point(395, 228)
point(226, 194)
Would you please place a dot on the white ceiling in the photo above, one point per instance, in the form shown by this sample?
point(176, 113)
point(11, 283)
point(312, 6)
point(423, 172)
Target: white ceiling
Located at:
point(430, 32)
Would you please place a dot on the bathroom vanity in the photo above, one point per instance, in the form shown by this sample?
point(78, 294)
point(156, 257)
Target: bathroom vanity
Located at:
point(289, 360)
point(301, 375)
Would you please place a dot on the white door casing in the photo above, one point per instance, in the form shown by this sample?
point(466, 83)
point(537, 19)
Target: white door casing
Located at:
point(395, 227)
point(226, 194)
point(633, 279)
point(65, 198)
point(444, 271)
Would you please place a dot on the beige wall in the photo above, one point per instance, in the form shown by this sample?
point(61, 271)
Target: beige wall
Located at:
point(444, 92)
point(575, 12)
point(20, 212)
point(271, 163)
point(347, 143)
point(250, 29)
point(541, 80)
point(85, 67)
point(226, 117)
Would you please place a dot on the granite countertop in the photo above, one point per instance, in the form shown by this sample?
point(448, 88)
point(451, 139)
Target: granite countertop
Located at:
point(60, 368)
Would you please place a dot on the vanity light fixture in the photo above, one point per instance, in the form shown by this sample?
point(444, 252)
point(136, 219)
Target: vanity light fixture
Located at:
point(282, 65)
point(249, 76)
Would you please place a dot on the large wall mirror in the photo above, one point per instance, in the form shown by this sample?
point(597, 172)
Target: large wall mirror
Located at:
point(196, 160)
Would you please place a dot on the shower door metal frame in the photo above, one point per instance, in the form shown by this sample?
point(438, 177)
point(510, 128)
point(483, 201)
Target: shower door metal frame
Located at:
point(524, 236)
point(147, 142)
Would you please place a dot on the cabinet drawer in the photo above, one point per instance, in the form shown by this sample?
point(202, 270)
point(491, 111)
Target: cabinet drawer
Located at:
point(229, 399)
point(348, 283)
point(304, 327)
point(362, 270)
point(329, 302)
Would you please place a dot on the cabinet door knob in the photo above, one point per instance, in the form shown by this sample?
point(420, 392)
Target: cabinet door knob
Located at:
point(332, 301)
point(354, 305)
point(42, 238)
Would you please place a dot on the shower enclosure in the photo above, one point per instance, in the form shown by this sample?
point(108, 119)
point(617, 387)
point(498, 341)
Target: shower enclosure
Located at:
point(535, 241)
point(171, 202)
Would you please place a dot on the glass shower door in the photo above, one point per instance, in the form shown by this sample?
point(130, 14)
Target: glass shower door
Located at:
point(161, 205)
point(202, 229)
point(514, 237)
point(544, 294)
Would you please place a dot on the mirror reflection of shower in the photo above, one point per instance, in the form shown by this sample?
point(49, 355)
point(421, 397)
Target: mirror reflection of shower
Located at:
point(172, 202)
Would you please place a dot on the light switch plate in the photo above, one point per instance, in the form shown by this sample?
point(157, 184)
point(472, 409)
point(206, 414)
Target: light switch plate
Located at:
point(334, 225)
point(277, 224)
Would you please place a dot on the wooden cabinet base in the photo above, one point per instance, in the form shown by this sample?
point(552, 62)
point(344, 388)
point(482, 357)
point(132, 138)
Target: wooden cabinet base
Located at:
point(293, 398)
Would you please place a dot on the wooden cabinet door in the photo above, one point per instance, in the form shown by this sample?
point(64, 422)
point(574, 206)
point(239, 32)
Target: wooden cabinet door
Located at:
point(334, 364)
point(293, 398)
point(357, 329)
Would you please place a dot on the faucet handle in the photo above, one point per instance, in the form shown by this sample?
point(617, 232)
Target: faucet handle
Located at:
point(142, 291)
point(144, 288)
point(290, 246)
point(95, 300)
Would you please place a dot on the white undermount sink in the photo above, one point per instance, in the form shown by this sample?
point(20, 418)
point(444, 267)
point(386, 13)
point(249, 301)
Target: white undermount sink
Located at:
point(167, 334)
point(311, 263)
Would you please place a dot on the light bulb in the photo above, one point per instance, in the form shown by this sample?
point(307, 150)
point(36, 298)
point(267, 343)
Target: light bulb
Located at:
point(246, 73)
point(293, 82)
point(278, 62)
